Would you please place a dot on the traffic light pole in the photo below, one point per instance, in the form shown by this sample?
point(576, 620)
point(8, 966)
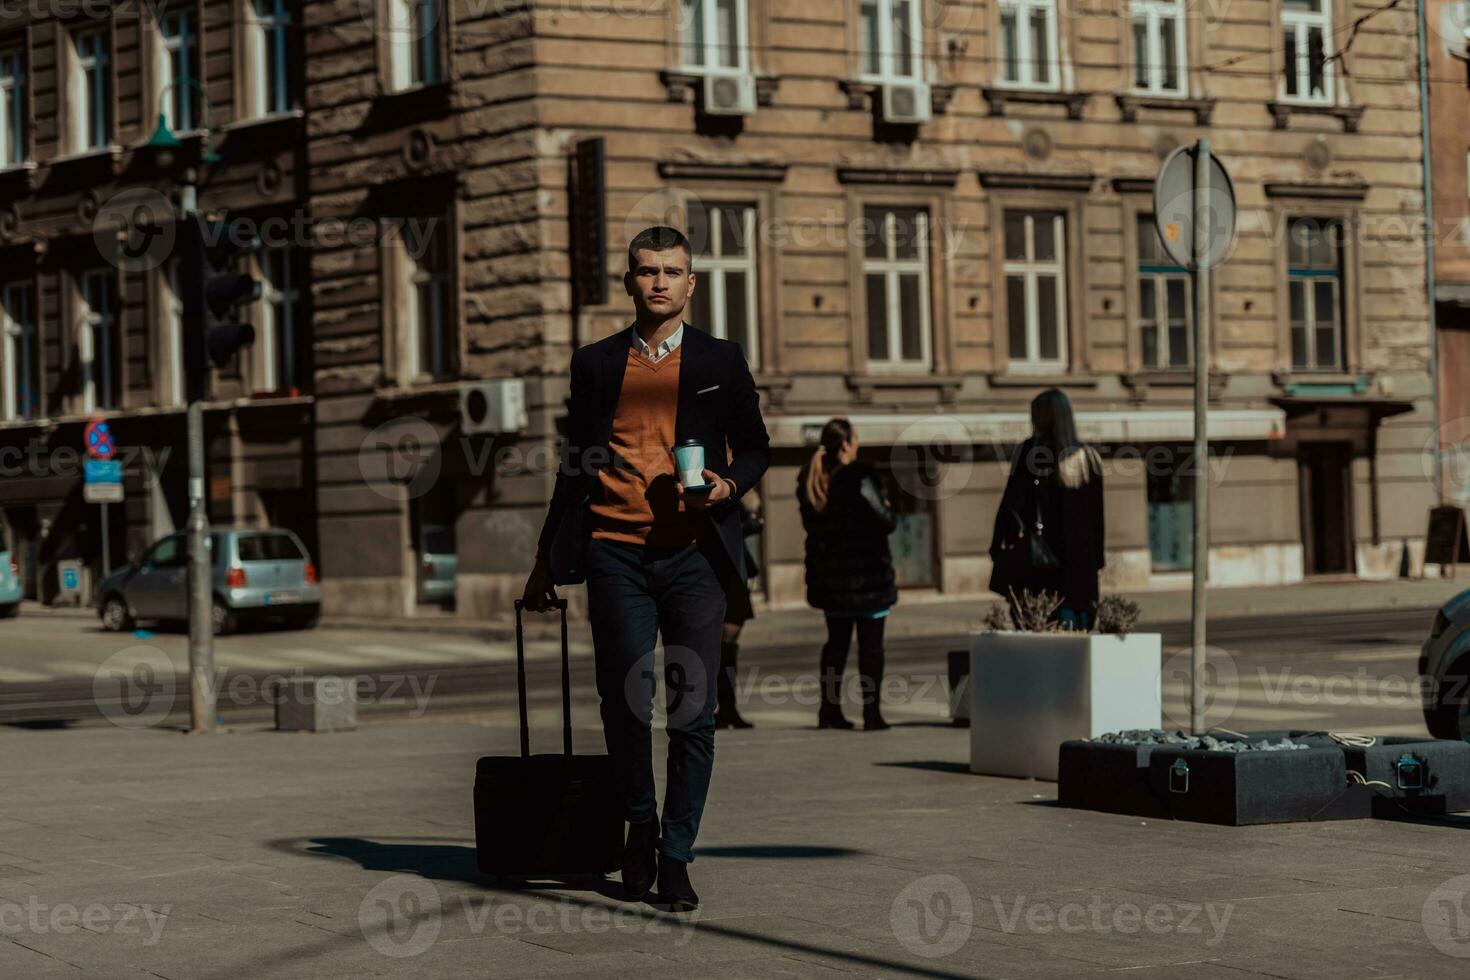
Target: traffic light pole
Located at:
point(201, 611)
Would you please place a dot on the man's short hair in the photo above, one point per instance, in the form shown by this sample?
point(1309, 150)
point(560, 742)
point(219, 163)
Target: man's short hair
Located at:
point(659, 238)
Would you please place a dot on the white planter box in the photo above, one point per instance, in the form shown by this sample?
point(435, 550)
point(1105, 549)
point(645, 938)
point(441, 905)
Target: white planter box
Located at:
point(1030, 692)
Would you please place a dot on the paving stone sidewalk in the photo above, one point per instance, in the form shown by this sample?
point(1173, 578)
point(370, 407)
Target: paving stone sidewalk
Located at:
point(254, 854)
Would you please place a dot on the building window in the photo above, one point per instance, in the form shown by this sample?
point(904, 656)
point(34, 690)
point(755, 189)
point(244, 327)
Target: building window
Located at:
point(267, 57)
point(1170, 487)
point(892, 39)
point(1036, 297)
point(178, 72)
point(1165, 323)
point(713, 35)
point(424, 266)
point(1158, 46)
point(1306, 38)
point(97, 348)
point(1314, 279)
point(21, 351)
point(1028, 40)
point(276, 345)
point(90, 91)
point(413, 43)
point(173, 337)
point(896, 280)
point(724, 301)
point(13, 122)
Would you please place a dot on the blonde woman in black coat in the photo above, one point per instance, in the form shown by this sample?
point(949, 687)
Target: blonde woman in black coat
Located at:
point(849, 568)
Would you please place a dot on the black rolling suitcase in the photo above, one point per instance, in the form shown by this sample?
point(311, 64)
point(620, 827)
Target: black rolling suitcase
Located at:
point(546, 816)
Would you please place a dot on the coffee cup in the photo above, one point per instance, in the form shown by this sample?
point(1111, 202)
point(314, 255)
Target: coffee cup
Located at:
point(689, 461)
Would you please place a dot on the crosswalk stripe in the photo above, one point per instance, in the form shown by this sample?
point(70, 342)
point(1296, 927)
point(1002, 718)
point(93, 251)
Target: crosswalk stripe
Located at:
point(304, 657)
point(11, 675)
point(397, 654)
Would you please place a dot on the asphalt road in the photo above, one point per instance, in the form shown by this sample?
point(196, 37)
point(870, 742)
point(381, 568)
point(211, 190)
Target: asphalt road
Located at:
point(1340, 671)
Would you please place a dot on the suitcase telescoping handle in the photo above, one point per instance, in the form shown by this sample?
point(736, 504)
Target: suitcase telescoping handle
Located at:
point(566, 680)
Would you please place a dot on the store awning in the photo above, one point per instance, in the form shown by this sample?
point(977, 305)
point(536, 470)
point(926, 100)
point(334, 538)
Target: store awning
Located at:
point(1007, 428)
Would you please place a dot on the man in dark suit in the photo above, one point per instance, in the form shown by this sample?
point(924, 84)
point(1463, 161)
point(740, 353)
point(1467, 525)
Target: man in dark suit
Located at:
point(658, 558)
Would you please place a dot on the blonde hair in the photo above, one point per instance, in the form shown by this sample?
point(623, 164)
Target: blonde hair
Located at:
point(826, 461)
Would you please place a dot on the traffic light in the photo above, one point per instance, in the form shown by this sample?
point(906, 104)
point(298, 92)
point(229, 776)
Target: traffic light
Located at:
point(211, 291)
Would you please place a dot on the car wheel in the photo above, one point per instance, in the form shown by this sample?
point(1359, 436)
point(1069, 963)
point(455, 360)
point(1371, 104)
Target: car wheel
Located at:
point(222, 618)
point(1450, 716)
point(8, 611)
point(115, 615)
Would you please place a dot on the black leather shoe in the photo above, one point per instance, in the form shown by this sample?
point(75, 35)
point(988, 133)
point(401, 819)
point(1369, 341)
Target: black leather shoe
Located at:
point(674, 889)
point(832, 719)
point(640, 858)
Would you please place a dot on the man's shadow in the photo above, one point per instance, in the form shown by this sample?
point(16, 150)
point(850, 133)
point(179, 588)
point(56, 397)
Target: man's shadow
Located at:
point(440, 862)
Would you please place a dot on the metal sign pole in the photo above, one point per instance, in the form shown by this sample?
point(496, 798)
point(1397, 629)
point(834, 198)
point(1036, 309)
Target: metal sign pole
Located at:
point(106, 543)
point(201, 577)
point(1202, 219)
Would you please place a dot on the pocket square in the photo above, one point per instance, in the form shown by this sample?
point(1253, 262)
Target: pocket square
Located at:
point(705, 390)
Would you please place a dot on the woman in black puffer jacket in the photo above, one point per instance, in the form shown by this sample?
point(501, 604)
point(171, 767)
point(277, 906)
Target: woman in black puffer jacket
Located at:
point(849, 569)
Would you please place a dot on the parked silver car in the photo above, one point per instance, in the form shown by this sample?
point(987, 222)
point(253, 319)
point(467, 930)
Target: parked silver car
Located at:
point(1444, 666)
point(438, 564)
point(258, 574)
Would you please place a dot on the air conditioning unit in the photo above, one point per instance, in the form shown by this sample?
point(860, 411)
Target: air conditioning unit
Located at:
point(729, 95)
point(906, 102)
point(493, 406)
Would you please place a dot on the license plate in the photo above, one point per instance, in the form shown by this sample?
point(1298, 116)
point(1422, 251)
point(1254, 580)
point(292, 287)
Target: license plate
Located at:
point(273, 598)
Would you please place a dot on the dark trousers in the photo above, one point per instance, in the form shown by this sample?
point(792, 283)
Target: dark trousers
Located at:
point(870, 659)
point(636, 593)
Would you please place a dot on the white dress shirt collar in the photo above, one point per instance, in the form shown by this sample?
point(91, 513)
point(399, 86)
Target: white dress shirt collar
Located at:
point(666, 347)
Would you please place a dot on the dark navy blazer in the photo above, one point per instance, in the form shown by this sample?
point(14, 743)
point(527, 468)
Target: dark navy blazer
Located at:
point(718, 405)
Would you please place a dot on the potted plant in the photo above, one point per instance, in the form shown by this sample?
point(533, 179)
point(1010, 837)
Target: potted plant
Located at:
point(1037, 685)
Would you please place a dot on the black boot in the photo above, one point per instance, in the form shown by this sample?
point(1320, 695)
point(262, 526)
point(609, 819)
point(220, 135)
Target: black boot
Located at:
point(674, 889)
point(829, 715)
point(726, 714)
point(640, 855)
point(870, 683)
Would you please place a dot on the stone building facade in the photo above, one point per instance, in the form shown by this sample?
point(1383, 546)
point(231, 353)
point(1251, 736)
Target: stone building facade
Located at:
point(914, 213)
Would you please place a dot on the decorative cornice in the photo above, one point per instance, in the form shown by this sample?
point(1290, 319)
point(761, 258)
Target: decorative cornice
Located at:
point(1133, 185)
point(1036, 181)
point(1348, 115)
point(1129, 105)
point(996, 98)
point(1331, 192)
point(681, 85)
point(721, 170)
point(860, 95)
point(897, 176)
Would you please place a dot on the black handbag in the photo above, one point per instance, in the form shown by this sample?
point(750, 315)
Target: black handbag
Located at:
point(1027, 550)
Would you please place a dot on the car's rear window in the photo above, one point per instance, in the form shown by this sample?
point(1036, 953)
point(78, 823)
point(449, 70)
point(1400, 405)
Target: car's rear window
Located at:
point(269, 547)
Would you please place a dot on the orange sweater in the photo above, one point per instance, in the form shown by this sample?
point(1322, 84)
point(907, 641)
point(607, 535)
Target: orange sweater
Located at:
point(640, 503)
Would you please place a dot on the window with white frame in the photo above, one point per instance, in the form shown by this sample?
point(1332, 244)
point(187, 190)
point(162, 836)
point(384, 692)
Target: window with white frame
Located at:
point(896, 285)
point(1165, 321)
point(172, 341)
point(724, 300)
point(413, 42)
point(97, 346)
point(13, 122)
point(21, 351)
point(267, 57)
point(421, 258)
point(177, 70)
point(1158, 46)
point(891, 42)
point(1306, 29)
point(1036, 291)
point(1028, 43)
point(275, 343)
point(714, 35)
point(1314, 279)
point(90, 91)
